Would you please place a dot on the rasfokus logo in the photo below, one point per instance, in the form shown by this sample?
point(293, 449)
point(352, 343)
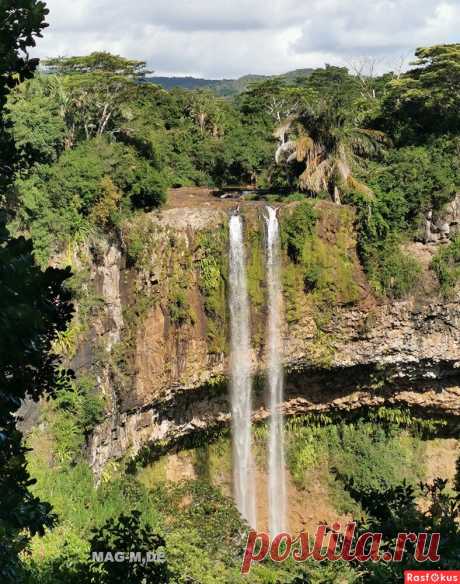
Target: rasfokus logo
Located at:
point(340, 543)
point(431, 576)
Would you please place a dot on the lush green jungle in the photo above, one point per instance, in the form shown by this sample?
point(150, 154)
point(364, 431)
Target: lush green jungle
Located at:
point(88, 145)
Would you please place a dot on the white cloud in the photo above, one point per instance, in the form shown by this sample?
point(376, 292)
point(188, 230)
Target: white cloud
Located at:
point(227, 38)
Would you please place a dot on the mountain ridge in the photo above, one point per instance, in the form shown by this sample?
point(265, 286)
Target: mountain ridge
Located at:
point(224, 87)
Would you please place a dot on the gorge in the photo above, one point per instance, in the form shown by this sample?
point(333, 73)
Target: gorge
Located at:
point(171, 386)
point(224, 313)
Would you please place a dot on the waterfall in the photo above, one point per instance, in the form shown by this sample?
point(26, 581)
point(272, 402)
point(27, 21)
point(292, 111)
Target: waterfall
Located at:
point(241, 385)
point(276, 467)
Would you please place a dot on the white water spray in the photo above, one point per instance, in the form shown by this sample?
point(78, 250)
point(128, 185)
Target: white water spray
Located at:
point(241, 385)
point(276, 464)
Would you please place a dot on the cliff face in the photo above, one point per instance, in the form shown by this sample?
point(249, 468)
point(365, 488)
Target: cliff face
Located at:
point(163, 332)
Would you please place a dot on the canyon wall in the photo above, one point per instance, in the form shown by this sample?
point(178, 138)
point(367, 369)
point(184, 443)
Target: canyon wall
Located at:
point(161, 332)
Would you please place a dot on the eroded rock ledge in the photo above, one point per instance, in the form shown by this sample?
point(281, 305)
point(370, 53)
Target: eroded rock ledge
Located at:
point(401, 354)
point(172, 380)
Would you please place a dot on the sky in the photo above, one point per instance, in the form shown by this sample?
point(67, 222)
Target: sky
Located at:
point(229, 38)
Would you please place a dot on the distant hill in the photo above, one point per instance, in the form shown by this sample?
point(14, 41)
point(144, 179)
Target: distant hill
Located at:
point(224, 87)
point(184, 82)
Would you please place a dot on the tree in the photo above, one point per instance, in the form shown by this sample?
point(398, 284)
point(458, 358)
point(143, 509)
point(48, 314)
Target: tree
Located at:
point(87, 186)
point(127, 534)
point(205, 109)
point(395, 511)
point(427, 97)
point(100, 63)
point(34, 307)
point(334, 84)
point(273, 98)
point(20, 23)
point(36, 121)
point(325, 141)
point(95, 92)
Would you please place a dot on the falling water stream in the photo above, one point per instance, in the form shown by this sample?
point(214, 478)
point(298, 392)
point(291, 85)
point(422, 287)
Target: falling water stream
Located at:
point(241, 384)
point(276, 468)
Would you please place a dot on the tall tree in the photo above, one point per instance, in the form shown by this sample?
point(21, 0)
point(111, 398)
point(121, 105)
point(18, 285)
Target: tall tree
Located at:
point(98, 62)
point(328, 146)
point(93, 91)
point(275, 99)
point(427, 97)
point(21, 21)
point(34, 306)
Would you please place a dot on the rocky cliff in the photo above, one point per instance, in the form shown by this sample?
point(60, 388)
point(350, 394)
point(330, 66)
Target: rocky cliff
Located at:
point(161, 334)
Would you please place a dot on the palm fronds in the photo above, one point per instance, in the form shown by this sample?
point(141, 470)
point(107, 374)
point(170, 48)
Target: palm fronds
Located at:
point(331, 148)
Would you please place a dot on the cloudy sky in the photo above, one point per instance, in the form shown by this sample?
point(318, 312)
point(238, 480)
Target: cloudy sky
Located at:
point(229, 38)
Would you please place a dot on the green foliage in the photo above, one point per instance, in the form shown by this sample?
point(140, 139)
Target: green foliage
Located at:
point(321, 269)
point(328, 271)
point(395, 510)
point(179, 308)
point(76, 410)
point(414, 180)
point(297, 228)
point(126, 533)
point(34, 307)
point(19, 28)
point(327, 148)
point(36, 122)
point(211, 250)
point(105, 212)
point(392, 272)
point(446, 266)
point(359, 452)
point(148, 187)
point(89, 185)
point(426, 98)
point(89, 147)
point(204, 501)
point(97, 62)
point(335, 84)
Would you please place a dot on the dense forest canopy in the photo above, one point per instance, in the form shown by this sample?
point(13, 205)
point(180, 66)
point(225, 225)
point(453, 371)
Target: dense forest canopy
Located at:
point(88, 145)
point(95, 145)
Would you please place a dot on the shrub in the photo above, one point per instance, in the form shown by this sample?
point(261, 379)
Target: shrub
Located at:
point(446, 266)
point(75, 411)
point(296, 228)
point(127, 534)
point(148, 187)
point(179, 308)
point(392, 272)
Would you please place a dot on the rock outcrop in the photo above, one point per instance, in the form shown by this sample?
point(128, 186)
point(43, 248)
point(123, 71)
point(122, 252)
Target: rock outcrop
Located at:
point(369, 353)
point(442, 226)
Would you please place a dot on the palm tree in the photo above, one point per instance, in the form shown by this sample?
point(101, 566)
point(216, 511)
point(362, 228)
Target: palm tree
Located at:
point(331, 147)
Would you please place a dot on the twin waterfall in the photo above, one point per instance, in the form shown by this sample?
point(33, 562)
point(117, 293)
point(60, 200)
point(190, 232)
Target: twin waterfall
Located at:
point(241, 380)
